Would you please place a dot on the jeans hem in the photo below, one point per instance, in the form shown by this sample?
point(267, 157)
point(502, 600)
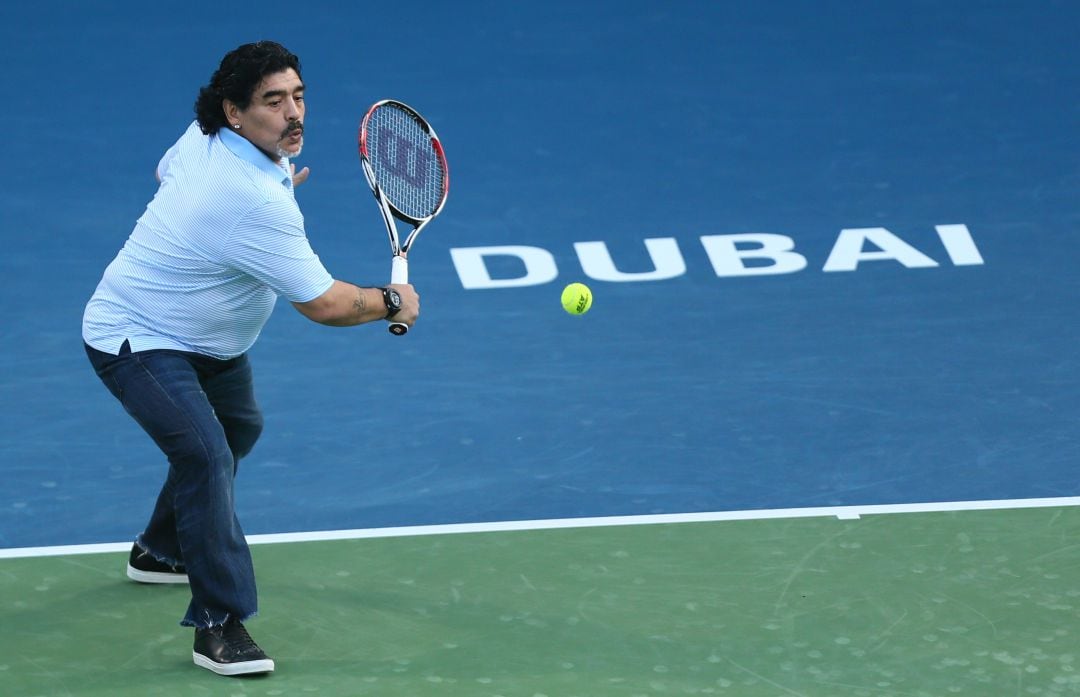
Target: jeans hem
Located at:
point(210, 623)
point(159, 557)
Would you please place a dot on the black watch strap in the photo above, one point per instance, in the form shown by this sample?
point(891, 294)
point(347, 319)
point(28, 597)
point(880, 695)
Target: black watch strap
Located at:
point(392, 300)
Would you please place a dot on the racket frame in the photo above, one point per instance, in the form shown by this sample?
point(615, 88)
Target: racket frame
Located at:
point(399, 270)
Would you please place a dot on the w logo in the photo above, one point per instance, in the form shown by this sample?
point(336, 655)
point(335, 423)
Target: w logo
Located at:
point(402, 159)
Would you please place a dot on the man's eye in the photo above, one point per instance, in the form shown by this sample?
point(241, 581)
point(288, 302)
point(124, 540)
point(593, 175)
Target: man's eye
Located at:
point(276, 102)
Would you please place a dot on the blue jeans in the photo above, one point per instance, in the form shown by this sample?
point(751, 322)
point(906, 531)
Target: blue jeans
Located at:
point(201, 412)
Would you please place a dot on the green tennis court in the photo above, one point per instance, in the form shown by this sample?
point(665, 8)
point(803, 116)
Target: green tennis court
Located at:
point(931, 604)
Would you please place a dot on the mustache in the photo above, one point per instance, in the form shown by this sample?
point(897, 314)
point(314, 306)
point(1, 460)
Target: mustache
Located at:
point(294, 126)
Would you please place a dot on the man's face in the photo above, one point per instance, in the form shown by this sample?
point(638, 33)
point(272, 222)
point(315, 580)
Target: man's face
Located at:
point(274, 121)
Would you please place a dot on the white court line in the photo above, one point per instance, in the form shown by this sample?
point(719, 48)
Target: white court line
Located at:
point(841, 512)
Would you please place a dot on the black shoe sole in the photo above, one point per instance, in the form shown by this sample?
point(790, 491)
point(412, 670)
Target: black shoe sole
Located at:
point(140, 576)
point(265, 665)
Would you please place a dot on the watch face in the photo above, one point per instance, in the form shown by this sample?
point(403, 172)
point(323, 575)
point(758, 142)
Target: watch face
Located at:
point(393, 302)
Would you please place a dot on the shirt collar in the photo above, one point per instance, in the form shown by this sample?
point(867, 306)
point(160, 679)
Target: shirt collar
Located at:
point(245, 150)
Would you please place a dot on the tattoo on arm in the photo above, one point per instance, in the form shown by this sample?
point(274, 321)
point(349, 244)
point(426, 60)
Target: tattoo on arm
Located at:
point(358, 304)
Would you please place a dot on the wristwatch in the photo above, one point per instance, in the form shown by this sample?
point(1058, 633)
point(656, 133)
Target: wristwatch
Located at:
point(392, 300)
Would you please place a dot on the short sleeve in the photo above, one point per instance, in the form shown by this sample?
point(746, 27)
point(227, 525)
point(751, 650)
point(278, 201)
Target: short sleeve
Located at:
point(270, 245)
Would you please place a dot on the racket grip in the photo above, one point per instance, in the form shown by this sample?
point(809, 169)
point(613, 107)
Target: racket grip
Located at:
point(399, 273)
point(399, 270)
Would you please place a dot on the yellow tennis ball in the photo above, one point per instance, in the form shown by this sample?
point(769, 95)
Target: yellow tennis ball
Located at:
point(577, 298)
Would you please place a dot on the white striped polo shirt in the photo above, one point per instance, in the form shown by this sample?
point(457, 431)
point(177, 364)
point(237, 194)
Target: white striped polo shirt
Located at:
point(201, 271)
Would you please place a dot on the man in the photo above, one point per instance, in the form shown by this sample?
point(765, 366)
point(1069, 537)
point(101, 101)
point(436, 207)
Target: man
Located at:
point(169, 325)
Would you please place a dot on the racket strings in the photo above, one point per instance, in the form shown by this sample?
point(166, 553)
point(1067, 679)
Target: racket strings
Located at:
point(407, 166)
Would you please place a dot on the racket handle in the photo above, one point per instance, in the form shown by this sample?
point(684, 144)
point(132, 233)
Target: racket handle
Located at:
point(399, 273)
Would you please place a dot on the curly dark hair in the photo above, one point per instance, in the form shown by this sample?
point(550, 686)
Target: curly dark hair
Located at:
point(240, 72)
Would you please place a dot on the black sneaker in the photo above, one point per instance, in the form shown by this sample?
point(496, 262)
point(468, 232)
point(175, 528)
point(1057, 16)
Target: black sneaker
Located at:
point(229, 650)
point(142, 567)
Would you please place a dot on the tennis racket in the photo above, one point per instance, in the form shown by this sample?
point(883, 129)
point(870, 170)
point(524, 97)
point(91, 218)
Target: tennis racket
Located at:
point(405, 166)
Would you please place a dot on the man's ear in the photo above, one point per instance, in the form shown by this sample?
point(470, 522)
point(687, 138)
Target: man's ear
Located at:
point(232, 112)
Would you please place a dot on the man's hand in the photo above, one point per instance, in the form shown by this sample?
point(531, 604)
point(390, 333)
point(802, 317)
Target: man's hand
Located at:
point(300, 177)
point(410, 304)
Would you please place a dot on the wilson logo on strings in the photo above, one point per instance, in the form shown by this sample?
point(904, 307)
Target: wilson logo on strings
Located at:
point(406, 161)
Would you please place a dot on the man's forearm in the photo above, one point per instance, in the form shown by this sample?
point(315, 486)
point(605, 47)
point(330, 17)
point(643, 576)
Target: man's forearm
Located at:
point(345, 305)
